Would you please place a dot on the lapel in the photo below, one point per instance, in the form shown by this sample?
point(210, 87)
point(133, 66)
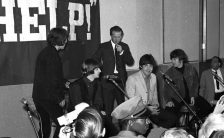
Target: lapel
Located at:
point(110, 47)
point(141, 81)
point(210, 77)
point(222, 72)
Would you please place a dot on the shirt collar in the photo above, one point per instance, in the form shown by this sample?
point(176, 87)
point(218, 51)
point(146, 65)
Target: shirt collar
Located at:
point(144, 76)
point(112, 43)
point(215, 70)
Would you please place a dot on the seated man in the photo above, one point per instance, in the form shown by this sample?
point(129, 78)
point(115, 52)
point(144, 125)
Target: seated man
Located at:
point(210, 88)
point(87, 89)
point(133, 116)
point(143, 84)
point(185, 79)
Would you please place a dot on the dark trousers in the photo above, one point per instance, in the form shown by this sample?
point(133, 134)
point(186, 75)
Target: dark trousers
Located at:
point(111, 93)
point(48, 112)
point(165, 119)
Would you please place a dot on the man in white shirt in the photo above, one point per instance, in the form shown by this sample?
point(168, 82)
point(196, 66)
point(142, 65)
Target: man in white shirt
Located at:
point(210, 88)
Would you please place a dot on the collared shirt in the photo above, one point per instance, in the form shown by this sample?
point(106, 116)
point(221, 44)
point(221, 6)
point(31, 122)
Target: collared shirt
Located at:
point(147, 83)
point(114, 48)
point(221, 88)
point(127, 134)
point(115, 67)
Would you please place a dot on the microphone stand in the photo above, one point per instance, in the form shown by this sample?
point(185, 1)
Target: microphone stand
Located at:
point(175, 89)
point(26, 107)
point(115, 83)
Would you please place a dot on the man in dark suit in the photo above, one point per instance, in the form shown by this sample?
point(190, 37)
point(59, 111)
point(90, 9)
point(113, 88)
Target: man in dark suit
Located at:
point(87, 89)
point(49, 84)
point(114, 56)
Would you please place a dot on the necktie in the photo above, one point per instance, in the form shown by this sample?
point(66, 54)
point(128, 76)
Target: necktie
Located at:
point(116, 57)
point(217, 82)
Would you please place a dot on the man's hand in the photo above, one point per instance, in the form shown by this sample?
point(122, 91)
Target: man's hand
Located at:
point(219, 108)
point(153, 109)
point(103, 112)
point(170, 104)
point(62, 103)
point(119, 48)
point(67, 84)
point(192, 101)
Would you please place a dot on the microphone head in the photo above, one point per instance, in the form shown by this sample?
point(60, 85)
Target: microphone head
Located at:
point(23, 101)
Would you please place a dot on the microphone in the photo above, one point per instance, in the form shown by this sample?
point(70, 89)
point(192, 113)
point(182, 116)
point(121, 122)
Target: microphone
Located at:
point(166, 77)
point(24, 101)
point(110, 77)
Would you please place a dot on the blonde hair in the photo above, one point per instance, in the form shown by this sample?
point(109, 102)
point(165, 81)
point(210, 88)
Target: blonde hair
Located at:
point(88, 124)
point(214, 122)
point(176, 133)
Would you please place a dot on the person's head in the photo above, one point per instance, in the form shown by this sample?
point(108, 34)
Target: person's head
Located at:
point(139, 125)
point(176, 133)
point(214, 122)
point(178, 58)
point(147, 64)
point(91, 67)
point(216, 62)
point(89, 124)
point(116, 34)
point(57, 37)
point(133, 115)
point(217, 134)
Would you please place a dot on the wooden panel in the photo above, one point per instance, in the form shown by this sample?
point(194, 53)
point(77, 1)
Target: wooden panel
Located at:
point(181, 27)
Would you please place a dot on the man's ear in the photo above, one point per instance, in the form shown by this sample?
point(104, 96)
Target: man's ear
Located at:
point(131, 122)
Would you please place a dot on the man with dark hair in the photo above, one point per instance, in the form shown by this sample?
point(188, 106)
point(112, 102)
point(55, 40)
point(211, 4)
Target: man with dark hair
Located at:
point(49, 84)
point(133, 116)
point(210, 88)
point(185, 78)
point(88, 89)
point(144, 84)
point(114, 56)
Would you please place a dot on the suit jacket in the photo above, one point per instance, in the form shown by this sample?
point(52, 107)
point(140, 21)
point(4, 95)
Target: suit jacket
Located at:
point(79, 93)
point(207, 87)
point(136, 86)
point(49, 83)
point(105, 55)
point(191, 77)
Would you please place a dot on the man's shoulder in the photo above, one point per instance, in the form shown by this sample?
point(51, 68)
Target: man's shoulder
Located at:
point(106, 43)
point(206, 71)
point(136, 74)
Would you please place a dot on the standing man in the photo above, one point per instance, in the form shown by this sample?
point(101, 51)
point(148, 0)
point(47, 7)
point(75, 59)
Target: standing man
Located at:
point(114, 56)
point(49, 84)
point(185, 78)
point(210, 88)
point(143, 83)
